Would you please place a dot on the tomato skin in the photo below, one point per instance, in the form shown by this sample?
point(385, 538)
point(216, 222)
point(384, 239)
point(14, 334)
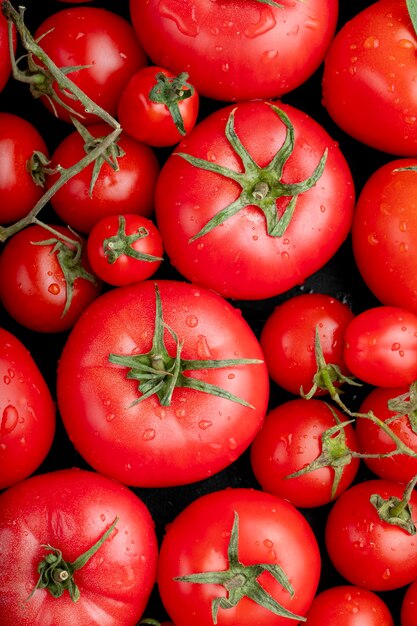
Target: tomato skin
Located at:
point(18, 191)
point(5, 65)
point(367, 551)
point(100, 39)
point(408, 606)
point(32, 285)
point(27, 409)
point(368, 71)
point(271, 530)
point(348, 605)
point(148, 121)
point(288, 441)
point(128, 190)
point(238, 259)
point(70, 510)
point(288, 338)
point(372, 440)
point(240, 50)
point(145, 443)
point(381, 346)
point(126, 269)
point(383, 234)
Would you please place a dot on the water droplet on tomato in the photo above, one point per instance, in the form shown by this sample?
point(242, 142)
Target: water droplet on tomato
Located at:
point(395, 347)
point(373, 239)
point(191, 321)
point(265, 23)
point(54, 289)
point(9, 419)
point(182, 14)
point(405, 43)
point(148, 434)
point(6, 380)
point(103, 517)
point(371, 42)
point(203, 350)
point(285, 256)
point(204, 424)
point(268, 543)
point(232, 443)
point(268, 56)
point(312, 23)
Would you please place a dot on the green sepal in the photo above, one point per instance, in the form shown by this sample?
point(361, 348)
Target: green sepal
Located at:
point(122, 244)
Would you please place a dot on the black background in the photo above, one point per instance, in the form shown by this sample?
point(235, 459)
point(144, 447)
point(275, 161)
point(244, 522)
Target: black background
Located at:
point(338, 278)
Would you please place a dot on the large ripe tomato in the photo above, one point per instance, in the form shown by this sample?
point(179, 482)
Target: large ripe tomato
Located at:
point(134, 384)
point(243, 536)
point(70, 511)
point(409, 605)
point(19, 191)
point(380, 346)
point(128, 189)
point(374, 441)
point(368, 76)
point(288, 340)
point(368, 551)
point(27, 412)
point(348, 605)
point(237, 50)
point(384, 233)
point(102, 41)
point(45, 284)
point(158, 107)
point(245, 167)
point(303, 435)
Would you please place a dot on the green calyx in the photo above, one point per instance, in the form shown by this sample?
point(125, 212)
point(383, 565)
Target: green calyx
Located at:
point(405, 405)
point(158, 373)
point(57, 575)
point(170, 91)
point(335, 453)
point(242, 580)
point(69, 256)
point(397, 511)
point(260, 186)
point(412, 11)
point(122, 244)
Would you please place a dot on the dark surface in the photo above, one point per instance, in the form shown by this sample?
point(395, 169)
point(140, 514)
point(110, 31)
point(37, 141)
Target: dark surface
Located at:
point(339, 278)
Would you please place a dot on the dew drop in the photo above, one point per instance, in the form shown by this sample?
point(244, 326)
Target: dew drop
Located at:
point(268, 56)
point(9, 419)
point(371, 42)
point(182, 14)
point(191, 321)
point(203, 350)
point(285, 256)
point(6, 380)
point(231, 376)
point(268, 544)
point(232, 443)
point(373, 239)
point(148, 434)
point(54, 289)
point(103, 517)
point(204, 424)
point(395, 347)
point(110, 417)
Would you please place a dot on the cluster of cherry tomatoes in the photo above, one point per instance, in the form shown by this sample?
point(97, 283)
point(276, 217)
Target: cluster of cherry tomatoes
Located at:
point(208, 334)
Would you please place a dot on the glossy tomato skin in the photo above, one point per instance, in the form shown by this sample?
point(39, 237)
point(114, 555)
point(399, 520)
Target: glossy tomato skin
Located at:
point(380, 346)
point(238, 258)
point(408, 606)
point(18, 192)
point(383, 234)
point(240, 50)
point(33, 289)
point(5, 65)
point(97, 38)
point(366, 550)
point(27, 412)
point(146, 443)
point(149, 121)
point(289, 440)
point(368, 71)
point(372, 439)
point(348, 605)
point(271, 530)
point(130, 189)
point(125, 269)
point(288, 339)
point(70, 510)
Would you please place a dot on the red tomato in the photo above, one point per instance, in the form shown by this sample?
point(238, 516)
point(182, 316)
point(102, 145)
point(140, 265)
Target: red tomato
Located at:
point(158, 107)
point(129, 189)
point(237, 50)
point(373, 440)
point(45, 286)
point(5, 65)
point(383, 234)
point(296, 434)
point(347, 605)
point(19, 192)
point(381, 346)
point(27, 423)
point(230, 532)
point(366, 550)
point(70, 511)
point(368, 71)
point(409, 605)
point(124, 249)
point(289, 334)
point(121, 384)
point(102, 41)
point(250, 250)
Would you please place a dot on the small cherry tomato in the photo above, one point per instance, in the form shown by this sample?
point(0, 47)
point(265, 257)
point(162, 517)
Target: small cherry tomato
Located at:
point(348, 605)
point(124, 249)
point(158, 107)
